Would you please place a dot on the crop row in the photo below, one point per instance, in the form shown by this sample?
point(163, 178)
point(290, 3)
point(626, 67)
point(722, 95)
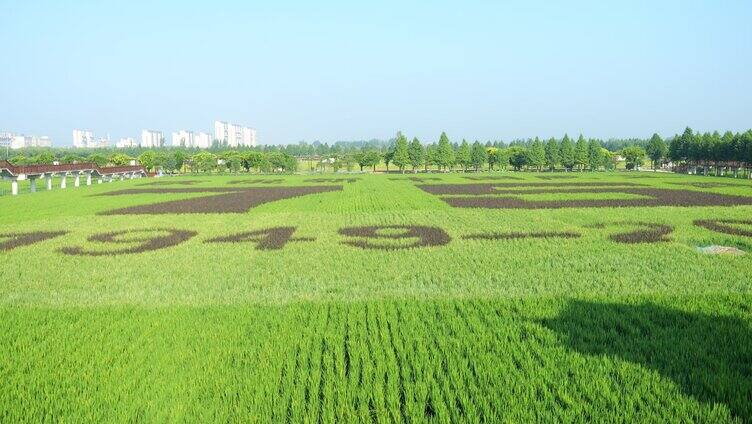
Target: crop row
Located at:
point(381, 237)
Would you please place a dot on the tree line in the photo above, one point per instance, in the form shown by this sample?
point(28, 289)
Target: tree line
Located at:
point(536, 155)
point(688, 152)
point(711, 152)
point(175, 160)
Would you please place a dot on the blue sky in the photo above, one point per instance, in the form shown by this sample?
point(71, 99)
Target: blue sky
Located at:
point(359, 70)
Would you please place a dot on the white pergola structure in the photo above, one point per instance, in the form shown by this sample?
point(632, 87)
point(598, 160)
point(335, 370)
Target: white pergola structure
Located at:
point(76, 170)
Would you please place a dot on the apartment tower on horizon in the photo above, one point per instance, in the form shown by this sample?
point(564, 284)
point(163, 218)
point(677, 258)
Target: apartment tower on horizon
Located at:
point(20, 141)
point(233, 135)
point(84, 139)
point(151, 138)
point(190, 139)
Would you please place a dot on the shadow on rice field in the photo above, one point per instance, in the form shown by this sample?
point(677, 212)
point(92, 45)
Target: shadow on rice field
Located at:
point(708, 356)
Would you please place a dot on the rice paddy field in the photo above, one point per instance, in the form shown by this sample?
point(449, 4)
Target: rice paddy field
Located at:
point(489, 297)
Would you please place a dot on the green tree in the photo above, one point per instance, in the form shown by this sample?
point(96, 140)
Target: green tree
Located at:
point(518, 157)
point(120, 159)
point(503, 158)
point(745, 150)
point(388, 157)
point(401, 153)
point(463, 157)
point(608, 159)
point(366, 158)
point(416, 153)
point(160, 159)
point(566, 153)
point(281, 161)
point(431, 156)
point(71, 158)
point(290, 163)
point(45, 158)
point(169, 162)
point(234, 162)
point(581, 153)
point(536, 155)
point(277, 161)
point(656, 149)
point(478, 156)
point(552, 153)
point(255, 160)
point(347, 161)
point(360, 159)
point(97, 158)
point(178, 159)
point(19, 160)
point(444, 153)
point(373, 158)
point(204, 161)
point(678, 149)
point(493, 157)
point(594, 154)
point(148, 160)
point(634, 156)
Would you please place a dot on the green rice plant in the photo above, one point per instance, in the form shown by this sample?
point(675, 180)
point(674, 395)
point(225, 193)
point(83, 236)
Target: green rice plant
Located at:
point(377, 301)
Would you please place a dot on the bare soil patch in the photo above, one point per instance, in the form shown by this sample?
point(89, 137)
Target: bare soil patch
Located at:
point(130, 191)
point(231, 200)
point(15, 240)
point(266, 239)
point(495, 188)
point(490, 177)
point(647, 232)
point(147, 239)
point(415, 179)
point(652, 196)
point(725, 226)
point(171, 182)
point(425, 236)
point(257, 181)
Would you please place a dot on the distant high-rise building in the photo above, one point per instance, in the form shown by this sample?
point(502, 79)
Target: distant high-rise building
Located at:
point(101, 143)
point(234, 135)
point(15, 141)
point(126, 142)
point(151, 138)
point(202, 140)
point(182, 138)
point(43, 141)
point(190, 139)
point(83, 138)
point(6, 138)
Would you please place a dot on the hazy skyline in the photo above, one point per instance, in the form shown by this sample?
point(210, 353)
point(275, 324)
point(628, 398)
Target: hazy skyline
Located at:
point(339, 71)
